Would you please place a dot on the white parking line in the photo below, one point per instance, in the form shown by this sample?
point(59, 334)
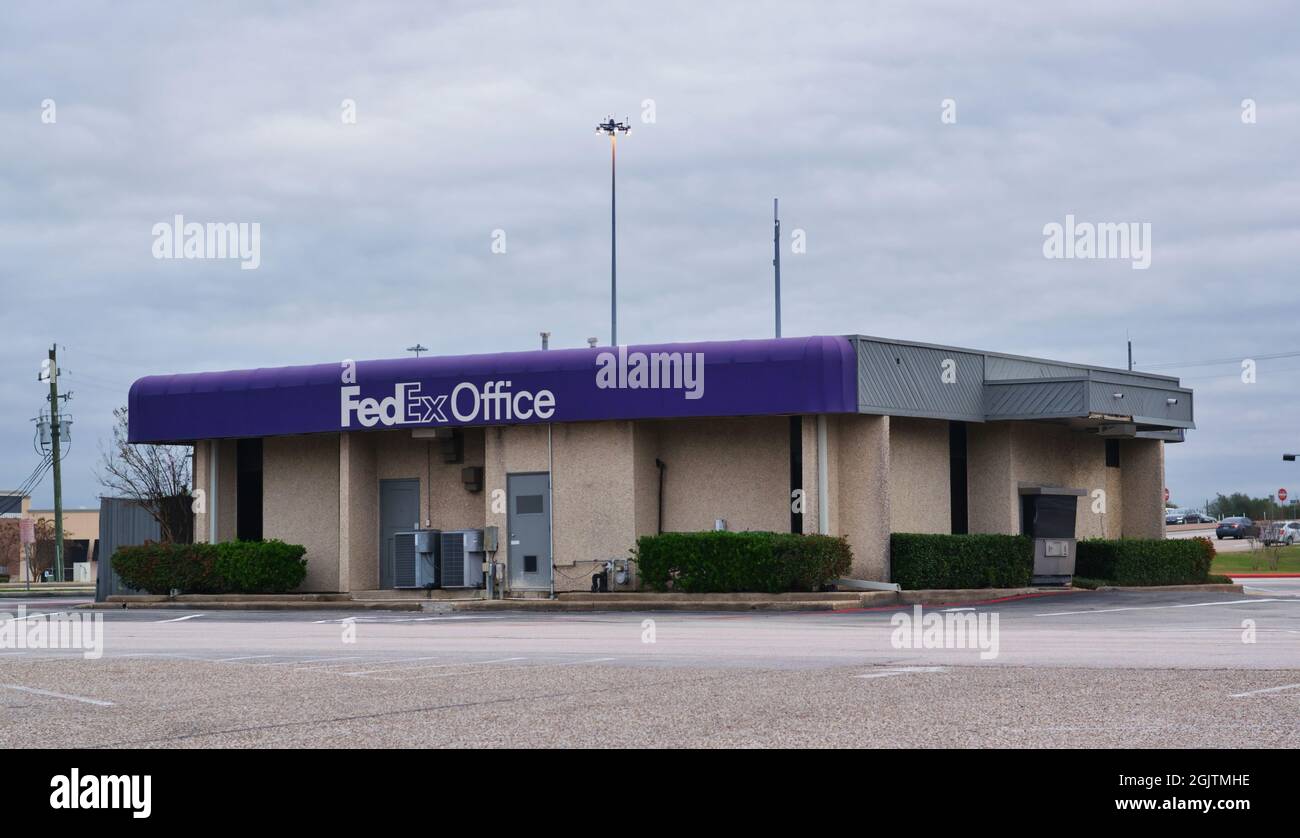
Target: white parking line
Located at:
point(902, 670)
point(33, 616)
point(1268, 690)
point(432, 665)
point(1155, 607)
point(322, 667)
point(179, 619)
point(245, 658)
point(498, 669)
point(97, 702)
point(313, 660)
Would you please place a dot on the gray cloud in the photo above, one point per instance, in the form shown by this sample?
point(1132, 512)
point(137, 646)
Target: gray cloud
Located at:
point(473, 118)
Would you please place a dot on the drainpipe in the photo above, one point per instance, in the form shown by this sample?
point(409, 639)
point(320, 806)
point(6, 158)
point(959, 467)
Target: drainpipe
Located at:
point(550, 503)
point(213, 445)
point(823, 481)
point(662, 466)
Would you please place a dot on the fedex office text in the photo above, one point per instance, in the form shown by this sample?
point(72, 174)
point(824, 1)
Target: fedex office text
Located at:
point(494, 402)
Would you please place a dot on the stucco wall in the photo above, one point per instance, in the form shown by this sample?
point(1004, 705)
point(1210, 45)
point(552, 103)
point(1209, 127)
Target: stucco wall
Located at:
point(736, 469)
point(860, 500)
point(1142, 465)
point(228, 490)
point(227, 487)
point(300, 502)
point(358, 512)
point(919, 462)
point(991, 495)
point(445, 504)
point(1002, 456)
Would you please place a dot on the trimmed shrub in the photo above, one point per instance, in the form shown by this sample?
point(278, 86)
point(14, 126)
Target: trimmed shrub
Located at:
point(260, 567)
point(725, 562)
point(243, 567)
point(1146, 561)
point(925, 560)
point(158, 568)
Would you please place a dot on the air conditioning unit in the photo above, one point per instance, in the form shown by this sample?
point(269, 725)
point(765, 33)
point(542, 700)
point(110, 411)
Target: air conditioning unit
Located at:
point(415, 559)
point(461, 559)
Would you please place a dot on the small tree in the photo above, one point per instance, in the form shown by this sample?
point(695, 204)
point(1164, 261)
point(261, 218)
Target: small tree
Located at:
point(10, 547)
point(157, 476)
point(42, 555)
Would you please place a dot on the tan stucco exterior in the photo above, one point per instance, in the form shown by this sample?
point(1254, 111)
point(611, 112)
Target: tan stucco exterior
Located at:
point(300, 502)
point(918, 475)
point(883, 474)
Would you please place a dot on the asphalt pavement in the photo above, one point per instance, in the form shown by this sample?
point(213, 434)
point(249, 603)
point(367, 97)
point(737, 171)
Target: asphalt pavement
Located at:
point(1116, 669)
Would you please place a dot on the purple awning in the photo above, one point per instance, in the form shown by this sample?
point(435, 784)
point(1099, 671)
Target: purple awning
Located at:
point(663, 381)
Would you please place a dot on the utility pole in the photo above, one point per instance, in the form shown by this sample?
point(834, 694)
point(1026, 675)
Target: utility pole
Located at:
point(55, 433)
point(613, 129)
point(1130, 356)
point(776, 258)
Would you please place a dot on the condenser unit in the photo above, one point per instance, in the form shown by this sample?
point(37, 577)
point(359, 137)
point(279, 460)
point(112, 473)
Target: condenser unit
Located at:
point(461, 559)
point(415, 559)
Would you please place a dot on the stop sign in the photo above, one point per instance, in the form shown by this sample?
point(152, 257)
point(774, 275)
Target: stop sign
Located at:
point(1281, 494)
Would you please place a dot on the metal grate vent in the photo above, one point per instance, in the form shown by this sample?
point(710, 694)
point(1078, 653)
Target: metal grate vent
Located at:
point(404, 560)
point(453, 560)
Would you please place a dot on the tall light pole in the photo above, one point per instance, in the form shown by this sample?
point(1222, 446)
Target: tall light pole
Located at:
point(776, 258)
point(613, 129)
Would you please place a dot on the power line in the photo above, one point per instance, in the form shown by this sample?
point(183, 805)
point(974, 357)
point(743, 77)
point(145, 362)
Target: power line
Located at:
point(1236, 359)
point(33, 480)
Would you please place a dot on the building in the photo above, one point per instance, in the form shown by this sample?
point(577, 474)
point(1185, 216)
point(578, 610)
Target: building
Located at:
point(80, 538)
point(574, 453)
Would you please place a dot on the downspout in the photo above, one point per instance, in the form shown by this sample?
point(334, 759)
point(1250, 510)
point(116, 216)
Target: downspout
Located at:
point(823, 480)
point(662, 466)
point(212, 490)
point(550, 503)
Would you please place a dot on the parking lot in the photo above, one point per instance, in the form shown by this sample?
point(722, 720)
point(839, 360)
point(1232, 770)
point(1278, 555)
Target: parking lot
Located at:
point(1080, 669)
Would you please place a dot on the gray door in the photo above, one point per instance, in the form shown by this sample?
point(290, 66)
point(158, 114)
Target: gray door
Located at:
point(399, 511)
point(528, 525)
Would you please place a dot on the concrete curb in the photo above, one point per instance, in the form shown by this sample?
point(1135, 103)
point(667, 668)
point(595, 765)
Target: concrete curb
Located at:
point(261, 605)
point(623, 602)
point(576, 603)
point(39, 594)
point(1211, 588)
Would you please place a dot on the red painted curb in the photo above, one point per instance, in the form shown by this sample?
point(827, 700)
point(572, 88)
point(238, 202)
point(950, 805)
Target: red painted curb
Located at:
point(1260, 575)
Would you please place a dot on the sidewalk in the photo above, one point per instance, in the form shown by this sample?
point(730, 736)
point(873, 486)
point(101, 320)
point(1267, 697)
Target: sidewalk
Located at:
point(637, 601)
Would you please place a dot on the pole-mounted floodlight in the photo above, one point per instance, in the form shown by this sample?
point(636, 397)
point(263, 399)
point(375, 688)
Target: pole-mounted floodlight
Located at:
point(417, 349)
point(613, 129)
point(1290, 458)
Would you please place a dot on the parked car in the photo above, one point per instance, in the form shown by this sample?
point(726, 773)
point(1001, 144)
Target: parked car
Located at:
point(1198, 518)
point(1281, 532)
point(1236, 527)
point(1173, 520)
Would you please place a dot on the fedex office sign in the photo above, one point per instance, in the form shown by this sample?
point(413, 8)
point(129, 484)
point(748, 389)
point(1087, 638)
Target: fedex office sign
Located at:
point(408, 405)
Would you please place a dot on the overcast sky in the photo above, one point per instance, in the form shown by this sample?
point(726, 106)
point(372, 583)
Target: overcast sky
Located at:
point(473, 118)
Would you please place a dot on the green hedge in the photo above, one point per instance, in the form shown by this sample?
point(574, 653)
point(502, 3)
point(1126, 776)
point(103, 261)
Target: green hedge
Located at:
point(1146, 561)
point(762, 562)
point(925, 560)
point(230, 567)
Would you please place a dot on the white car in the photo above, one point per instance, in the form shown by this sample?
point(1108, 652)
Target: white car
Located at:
point(1283, 532)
